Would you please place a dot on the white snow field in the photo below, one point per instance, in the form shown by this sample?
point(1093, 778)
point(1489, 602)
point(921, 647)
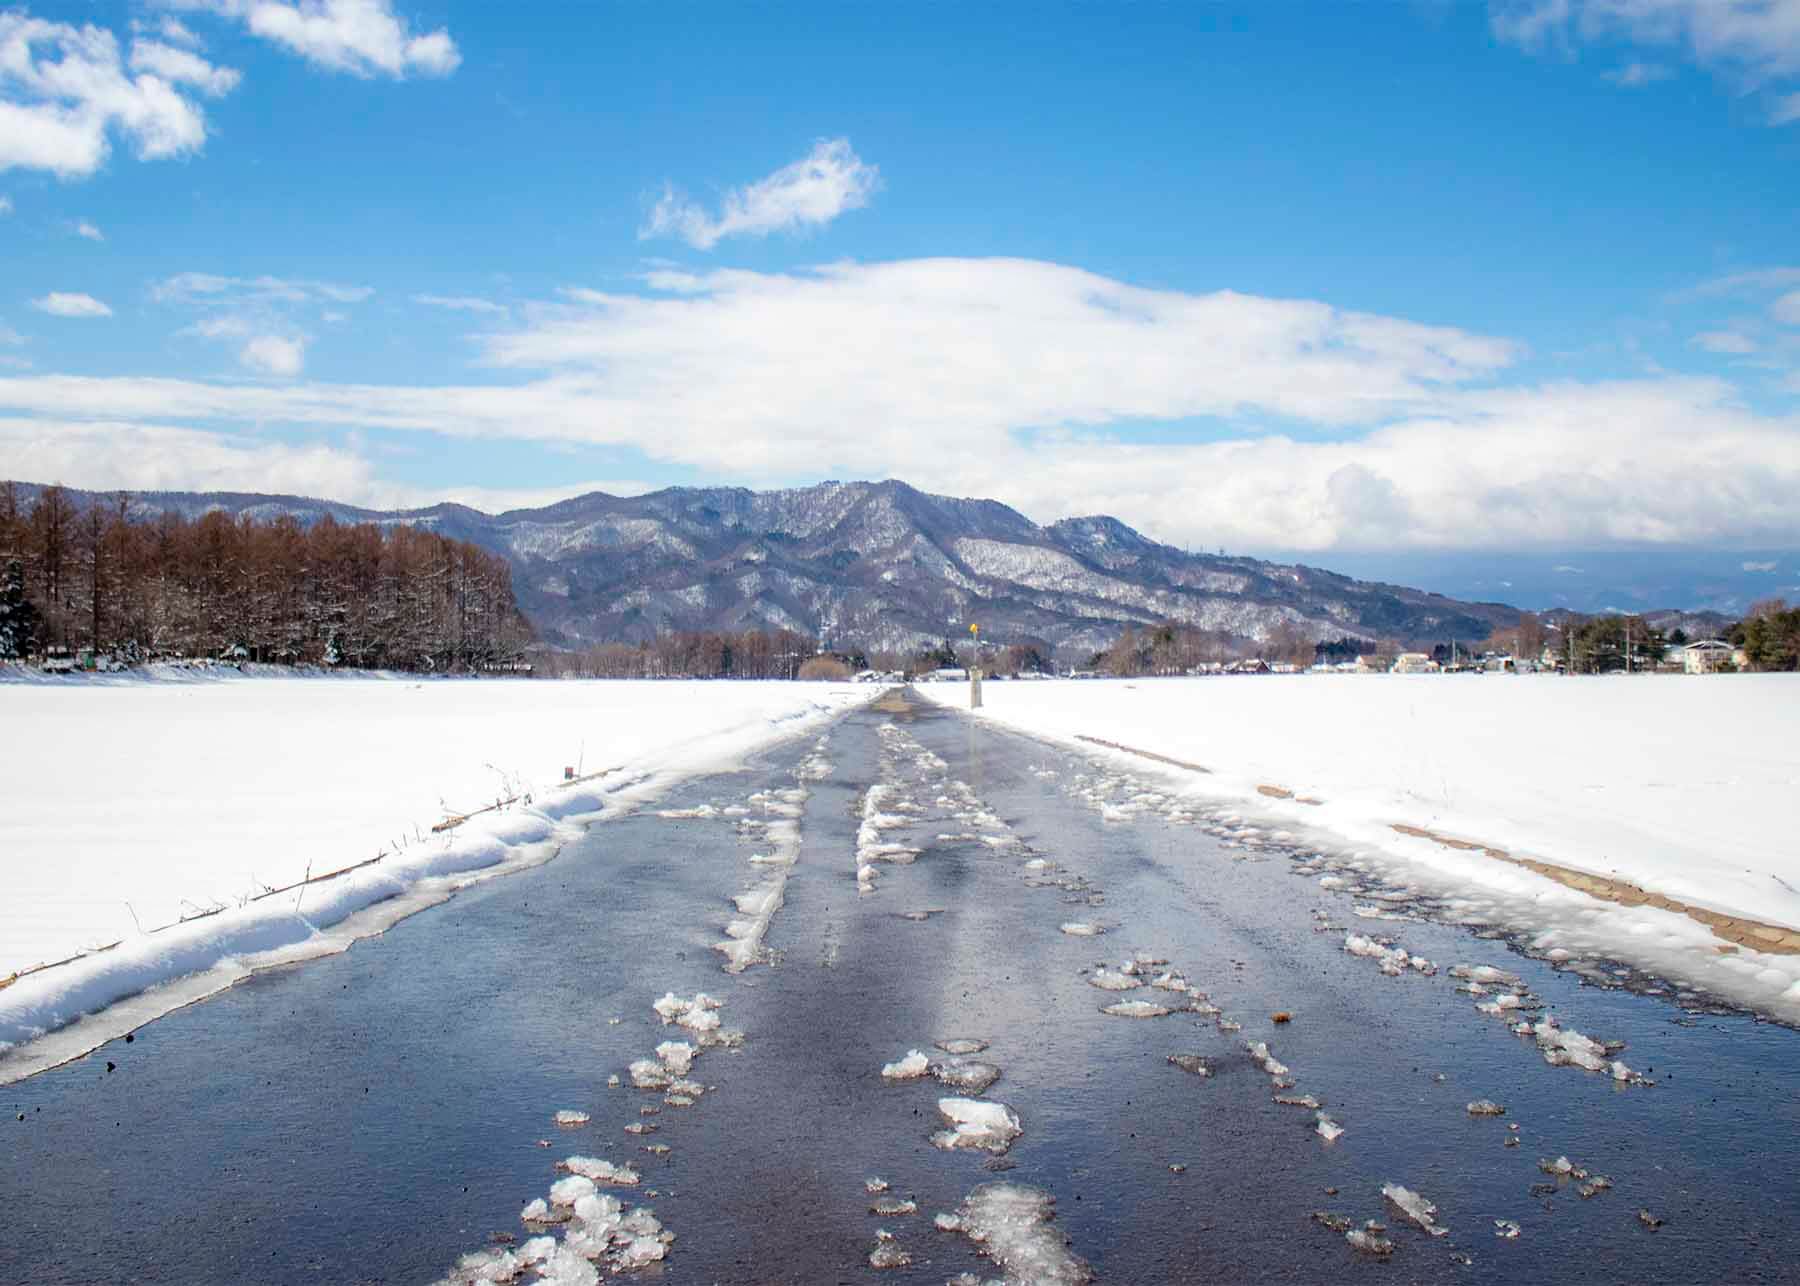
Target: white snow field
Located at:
point(1685, 786)
point(131, 803)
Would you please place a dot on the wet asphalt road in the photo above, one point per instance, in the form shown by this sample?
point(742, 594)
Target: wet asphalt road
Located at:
point(372, 1116)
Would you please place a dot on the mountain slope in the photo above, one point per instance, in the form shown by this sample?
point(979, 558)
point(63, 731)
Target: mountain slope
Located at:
point(882, 565)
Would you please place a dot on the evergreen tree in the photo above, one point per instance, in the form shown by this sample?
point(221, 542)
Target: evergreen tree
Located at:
point(18, 618)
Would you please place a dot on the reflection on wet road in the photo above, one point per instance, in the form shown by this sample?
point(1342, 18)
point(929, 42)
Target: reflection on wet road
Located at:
point(913, 1000)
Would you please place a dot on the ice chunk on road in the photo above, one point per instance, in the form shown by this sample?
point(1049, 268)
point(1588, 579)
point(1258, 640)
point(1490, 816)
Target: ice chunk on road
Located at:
point(887, 1252)
point(1506, 1229)
point(962, 1046)
point(1486, 1107)
point(1107, 980)
point(672, 1008)
point(566, 1268)
point(1414, 1207)
point(1136, 1009)
point(599, 1171)
point(976, 1123)
point(1369, 1239)
point(969, 1075)
point(676, 1055)
point(891, 1207)
point(913, 1066)
point(649, 1074)
point(1564, 1046)
point(537, 1210)
point(1081, 929)
point(570, 1117)
point(1010, 1223)
point(1192, 1063)
point(1328, 1129)
point(1259, 1054)
point(1562, 1168)
point(566, 1192)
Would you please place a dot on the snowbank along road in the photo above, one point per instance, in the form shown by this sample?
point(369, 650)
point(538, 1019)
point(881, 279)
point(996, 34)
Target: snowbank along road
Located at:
point(919, 999)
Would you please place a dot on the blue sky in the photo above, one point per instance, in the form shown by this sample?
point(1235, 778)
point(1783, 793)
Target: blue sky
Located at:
point(1310, 277)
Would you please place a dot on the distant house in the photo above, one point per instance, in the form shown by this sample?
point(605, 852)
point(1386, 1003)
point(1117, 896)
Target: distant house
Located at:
point(1705, 656)
point(1414, 663)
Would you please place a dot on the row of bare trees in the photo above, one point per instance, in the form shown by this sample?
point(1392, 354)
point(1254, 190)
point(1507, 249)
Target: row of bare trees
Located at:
point(96, 577)
point(751, 654)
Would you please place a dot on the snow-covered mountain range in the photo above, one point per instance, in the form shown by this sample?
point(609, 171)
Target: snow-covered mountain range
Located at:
point(881, 565)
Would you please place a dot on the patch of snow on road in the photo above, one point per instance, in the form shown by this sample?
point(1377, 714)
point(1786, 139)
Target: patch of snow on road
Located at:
point(1011, 1224)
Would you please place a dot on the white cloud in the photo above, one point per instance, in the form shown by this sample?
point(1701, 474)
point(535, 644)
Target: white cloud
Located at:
point(1749, 281)
point(274, 354)
point(1755, 41)
point(88, 231)
point(183, 67)
point(10, 336)
point(1785, 110)
point(1786, 310)
point(363, 37)
point(6, 205)
point(107, 454)
point(1053, 389)
point(259, 350)
point(926, 350)
point(70, 304)
point(811, 192)
point(208, 288)
point(176, 32)
point(64, 91)
point(1635, 75)
point(1769, 566)
point(460, 303)
point(1724, 341)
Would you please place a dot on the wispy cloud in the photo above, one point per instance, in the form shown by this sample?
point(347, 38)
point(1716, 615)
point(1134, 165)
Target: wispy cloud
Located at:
point(1786, 310)
point(1635, 75)
point(362, 37)
point(88, 232)
point(6, 205)
point(1756, 42)
point(809, 193)
point(71, 304)
point(260, 317)
point(1724, 341)
point(65, 92)
point(181, 66)
point(460, 303)
point(206, 287)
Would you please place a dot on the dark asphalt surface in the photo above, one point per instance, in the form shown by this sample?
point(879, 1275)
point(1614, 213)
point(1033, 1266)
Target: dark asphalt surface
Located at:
point(372, 1116)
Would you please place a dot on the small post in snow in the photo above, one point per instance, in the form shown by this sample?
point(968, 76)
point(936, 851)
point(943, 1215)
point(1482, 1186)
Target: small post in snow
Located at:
point(975, 670)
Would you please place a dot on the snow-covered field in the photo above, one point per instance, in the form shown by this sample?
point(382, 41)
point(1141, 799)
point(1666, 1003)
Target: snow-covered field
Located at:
point(131, 803)
point(1686, 786)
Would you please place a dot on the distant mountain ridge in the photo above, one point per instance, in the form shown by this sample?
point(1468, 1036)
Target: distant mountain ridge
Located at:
point(879, 564)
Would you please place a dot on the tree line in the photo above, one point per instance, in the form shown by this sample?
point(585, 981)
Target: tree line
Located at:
point(96, 578)
point(749, 654)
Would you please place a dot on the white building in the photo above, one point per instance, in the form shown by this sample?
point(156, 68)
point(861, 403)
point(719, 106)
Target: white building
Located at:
point(1705, 657)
